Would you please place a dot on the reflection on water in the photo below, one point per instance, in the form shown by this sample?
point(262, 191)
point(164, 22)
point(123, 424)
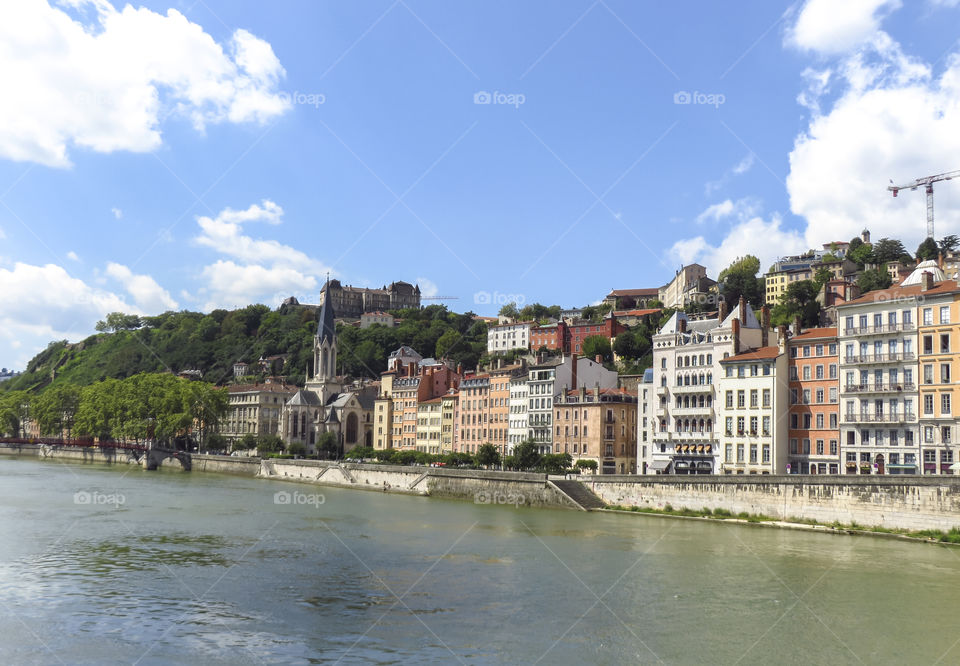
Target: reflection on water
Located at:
point(196, 568)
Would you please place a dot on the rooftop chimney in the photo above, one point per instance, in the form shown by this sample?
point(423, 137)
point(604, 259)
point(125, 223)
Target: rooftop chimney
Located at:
point(573, 371)
point(599, 359)
point(722, 311)
point(797, 325)
point(927, 280)
point(682, 324)
point(742, 310)
point(596, 392)
point(735, 326)
point(782, 338)
point(764, 326)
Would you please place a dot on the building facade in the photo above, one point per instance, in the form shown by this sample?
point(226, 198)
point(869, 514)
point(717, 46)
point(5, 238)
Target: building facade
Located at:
point(352, 302)
point(254, 409)
point(814, 406)
point(939, 365)
point(599, 425)
point(505, 337)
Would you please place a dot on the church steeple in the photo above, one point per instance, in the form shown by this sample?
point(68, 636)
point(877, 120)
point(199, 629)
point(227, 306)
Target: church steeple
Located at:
point(325, 342)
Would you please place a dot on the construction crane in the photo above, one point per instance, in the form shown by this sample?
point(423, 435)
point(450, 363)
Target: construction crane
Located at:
point(927, 184)
point(439, 298)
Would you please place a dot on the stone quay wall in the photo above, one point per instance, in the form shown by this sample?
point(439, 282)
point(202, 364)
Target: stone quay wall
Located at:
point(904, 502)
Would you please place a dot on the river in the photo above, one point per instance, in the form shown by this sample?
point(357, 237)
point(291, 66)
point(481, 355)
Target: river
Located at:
point(106, 564)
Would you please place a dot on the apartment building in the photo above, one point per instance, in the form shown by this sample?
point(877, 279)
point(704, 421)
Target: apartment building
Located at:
point(600, 425)
point(500, 384)
point(448, 415)
point(518, 428)
point(645, 398)
point(939, 368)
point(814, 406)
point(753, 399)
point(254, 409)
point(505, 337)
point(428, 429)
point(473, 413)
point(552, 376)
point(878, 369)
point(549, 336)
point(579, 331)
point(686, 359)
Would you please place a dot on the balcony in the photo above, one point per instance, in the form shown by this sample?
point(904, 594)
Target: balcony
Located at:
point(878, 388)
point(879, 330)
point(894, 417)
point(663, 390)
point(694, 388)
point(879, 358)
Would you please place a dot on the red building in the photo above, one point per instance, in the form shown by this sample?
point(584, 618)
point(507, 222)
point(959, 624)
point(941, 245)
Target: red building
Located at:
point(551, 336)
point(580, 331)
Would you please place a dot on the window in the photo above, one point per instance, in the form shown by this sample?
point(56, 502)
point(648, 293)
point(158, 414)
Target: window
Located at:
point(833, 394)
point(794, 421)
point(728, 456)
point(793, 373)
point(819, 395)
point(832, 349)
point(793, 396)
point(753, 425)
point(740, 426)
point(806, 372)
point(944, 314)
point(805, 444)
point(766, 369)
point(928, 434)
point(944, 373)
point(739, 453)
point(928, 374)
point(819, 421)
point(907, 317)
point(806, 351)
point(753, 454)
point(928, 344)
point(833, 447)
point(741, 399)
point(928, 316)
point(806, 396)
point(833, 421)
point(928, 404)
point(729, 426)
point(753, 398)
point(766, 425)
point(766, 397)
point(945, 434)
point(819, 373)
point(944, 343)
point(819, 350)
point(945, 404)
point(819, 447)
point(741, 371)
point(766, 453)
point(848, 324)
point(806, 421)
point(729, 399)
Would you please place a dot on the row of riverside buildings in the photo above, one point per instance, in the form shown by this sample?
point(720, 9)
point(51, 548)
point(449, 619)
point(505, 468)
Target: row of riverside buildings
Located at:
point(873, 395)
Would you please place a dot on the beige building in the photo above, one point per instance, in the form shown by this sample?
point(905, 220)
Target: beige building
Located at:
point(429, 429)
point(254, 409)
point(599, 425)
point(448, 419)
point(672, 295)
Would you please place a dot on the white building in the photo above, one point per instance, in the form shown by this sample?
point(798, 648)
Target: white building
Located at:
point(686, 361)
point(518, 428)
point(645, 419)
point(503, 338)
point(548, 379)
point(752, 404)
point(877, 332)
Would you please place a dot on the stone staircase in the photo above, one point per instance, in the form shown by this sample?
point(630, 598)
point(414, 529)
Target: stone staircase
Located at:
point(579, 494)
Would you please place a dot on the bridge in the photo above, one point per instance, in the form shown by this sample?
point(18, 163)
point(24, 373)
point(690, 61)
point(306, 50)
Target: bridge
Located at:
point(148, 454)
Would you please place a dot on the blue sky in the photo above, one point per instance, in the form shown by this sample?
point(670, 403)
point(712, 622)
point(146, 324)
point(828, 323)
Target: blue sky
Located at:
point(191, 155)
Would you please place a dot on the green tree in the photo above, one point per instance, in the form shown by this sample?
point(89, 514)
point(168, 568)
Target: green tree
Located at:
point(447, 342)
point(117, 321)
point(875, 278)
point(328, 445)
point(821, 277)
point(800, 299)
point(14, 412)
point(556, 463)
point(888, 249)
point(55, 410)
point(267, 444)
point(587, 464)
point(862, 254)
point(740, 279)
point(526, 456)
point(249, 441)
point(296, 449)
point(488, 456)
point(928, 250)
point(949, 243)
point(509, 310)
point(597, 345)
point(626, 345)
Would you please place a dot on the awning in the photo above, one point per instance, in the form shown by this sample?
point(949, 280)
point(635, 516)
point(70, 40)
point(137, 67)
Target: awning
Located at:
point(660, 465)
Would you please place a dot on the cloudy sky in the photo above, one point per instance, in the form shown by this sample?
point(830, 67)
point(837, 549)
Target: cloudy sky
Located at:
point(212, 153)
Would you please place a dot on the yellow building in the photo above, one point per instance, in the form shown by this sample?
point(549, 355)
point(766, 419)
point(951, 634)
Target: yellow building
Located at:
point(448, 418)
point(938, 319)
point(383, 413)
point(429, 426)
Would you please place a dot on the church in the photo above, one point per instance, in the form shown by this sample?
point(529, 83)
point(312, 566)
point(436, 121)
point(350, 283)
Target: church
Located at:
point(326, 404)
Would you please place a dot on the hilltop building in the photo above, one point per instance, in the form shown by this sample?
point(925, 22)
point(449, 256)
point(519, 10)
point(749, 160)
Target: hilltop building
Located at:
point(351, 302)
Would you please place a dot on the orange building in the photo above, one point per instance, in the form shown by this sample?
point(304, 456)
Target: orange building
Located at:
point(814, 406)
point(600, 425)
point(500, 404)
point(473, 413)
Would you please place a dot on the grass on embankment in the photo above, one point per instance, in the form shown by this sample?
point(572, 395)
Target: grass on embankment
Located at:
point(951, 537)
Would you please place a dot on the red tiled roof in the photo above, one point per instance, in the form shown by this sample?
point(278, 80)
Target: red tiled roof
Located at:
point(634, 313)
point(813, 333)
point(761, 354)
point(652, 291)
point(912, 291)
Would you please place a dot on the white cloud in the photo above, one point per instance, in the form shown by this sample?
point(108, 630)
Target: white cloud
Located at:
point(892, 120)
point(147, 294)
point(232, 285)
point(43, 303)
point(743, 238)
point(428, 288)
point(72, 256)
point(117, 213)
point(831, 27)
point(716, 212)
point(738, 169)
point(263, 270)
point(106, 84)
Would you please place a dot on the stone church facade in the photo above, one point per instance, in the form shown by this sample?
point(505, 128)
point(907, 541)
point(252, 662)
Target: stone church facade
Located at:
point(325, 404)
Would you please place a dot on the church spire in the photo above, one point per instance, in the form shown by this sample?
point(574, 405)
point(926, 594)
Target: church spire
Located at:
point(325, 326)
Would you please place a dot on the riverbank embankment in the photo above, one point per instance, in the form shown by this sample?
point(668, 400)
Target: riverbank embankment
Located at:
point(910, 503)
